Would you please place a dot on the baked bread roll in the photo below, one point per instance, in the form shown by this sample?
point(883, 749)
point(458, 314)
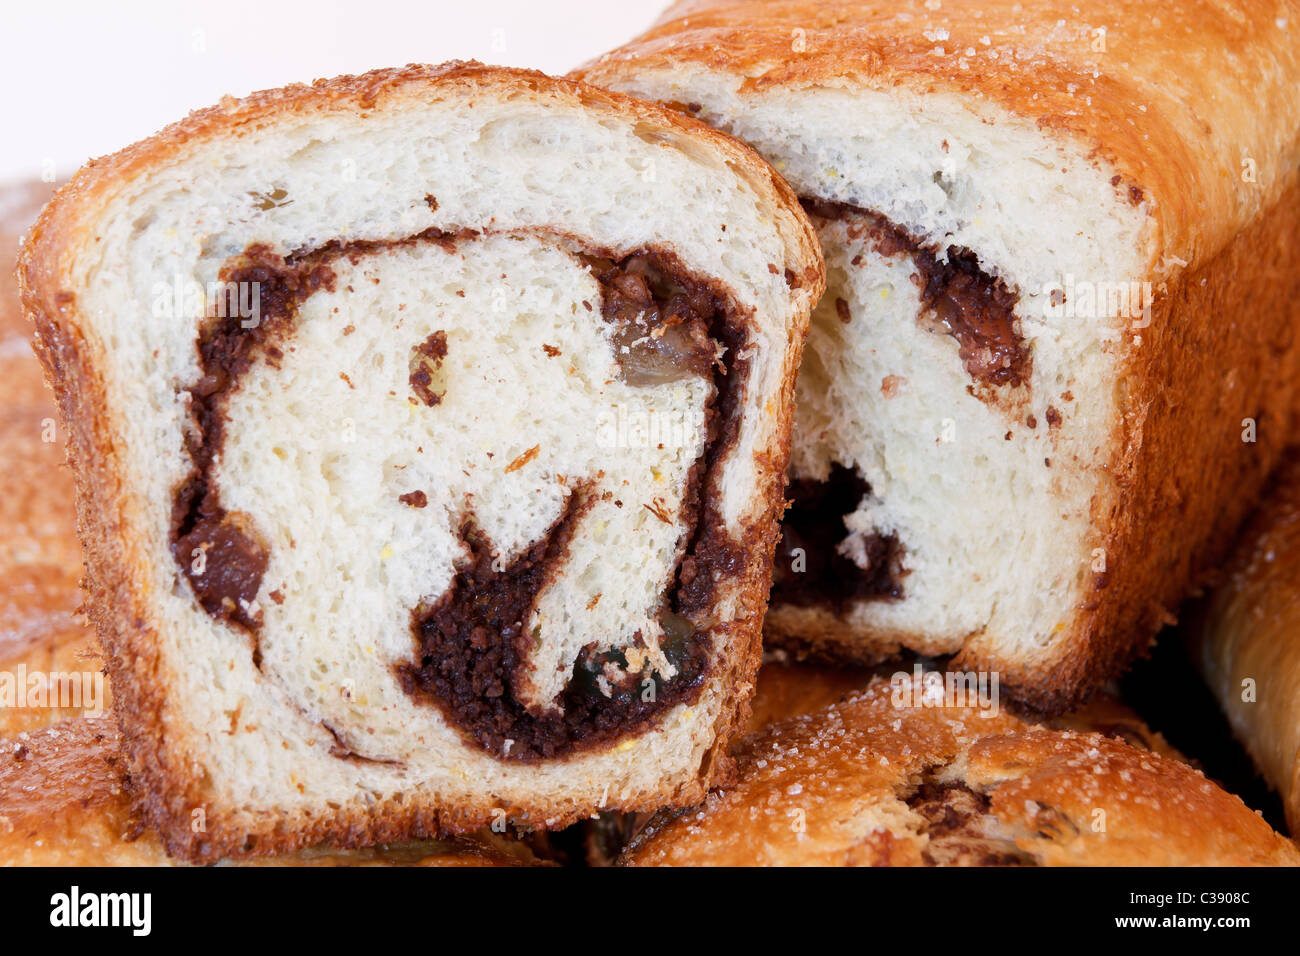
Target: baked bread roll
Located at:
point(64, 801)
point(49, 656)
point(1246, 639)
point(1056, 358)
point(877, 781)
point(787, 689)
point(458, 502)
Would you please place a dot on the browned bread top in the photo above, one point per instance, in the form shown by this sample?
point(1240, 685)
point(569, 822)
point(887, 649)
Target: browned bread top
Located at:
point(52, 242)
point(787, 688)
point(1196, 102)
point(869, 782)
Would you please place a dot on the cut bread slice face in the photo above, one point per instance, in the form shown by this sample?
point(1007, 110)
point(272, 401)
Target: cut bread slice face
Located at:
point(1024, 424)
point(945, 427)
point(429, 429)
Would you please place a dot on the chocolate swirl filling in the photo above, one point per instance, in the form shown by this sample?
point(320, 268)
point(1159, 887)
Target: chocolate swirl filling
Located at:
point(810, 568)
point(667, 324)
point(219, 552)
point(958, 297)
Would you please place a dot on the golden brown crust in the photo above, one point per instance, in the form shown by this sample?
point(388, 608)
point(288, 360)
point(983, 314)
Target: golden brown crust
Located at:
point(41, 630)
point(875, 782)
point(1247, 644)
point(787, 689)
point(65, 801)
point(1106, 715)
point(156, 746)
point(1213, 159)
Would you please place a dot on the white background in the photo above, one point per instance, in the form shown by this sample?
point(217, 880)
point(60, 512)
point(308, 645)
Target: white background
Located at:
point(86, 78)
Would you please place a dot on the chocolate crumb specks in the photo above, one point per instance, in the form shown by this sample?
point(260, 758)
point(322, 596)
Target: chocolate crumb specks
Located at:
point(458, 663)
point(220, 553)
point(472, 640)
point(690, 109)
point(842, 311)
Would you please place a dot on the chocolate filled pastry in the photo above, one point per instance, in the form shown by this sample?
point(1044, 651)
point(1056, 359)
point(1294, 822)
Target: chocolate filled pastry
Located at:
point(898, 774)
point(1246, 639)
point(429, 430)
point(1056, 357)
point(787, 689)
